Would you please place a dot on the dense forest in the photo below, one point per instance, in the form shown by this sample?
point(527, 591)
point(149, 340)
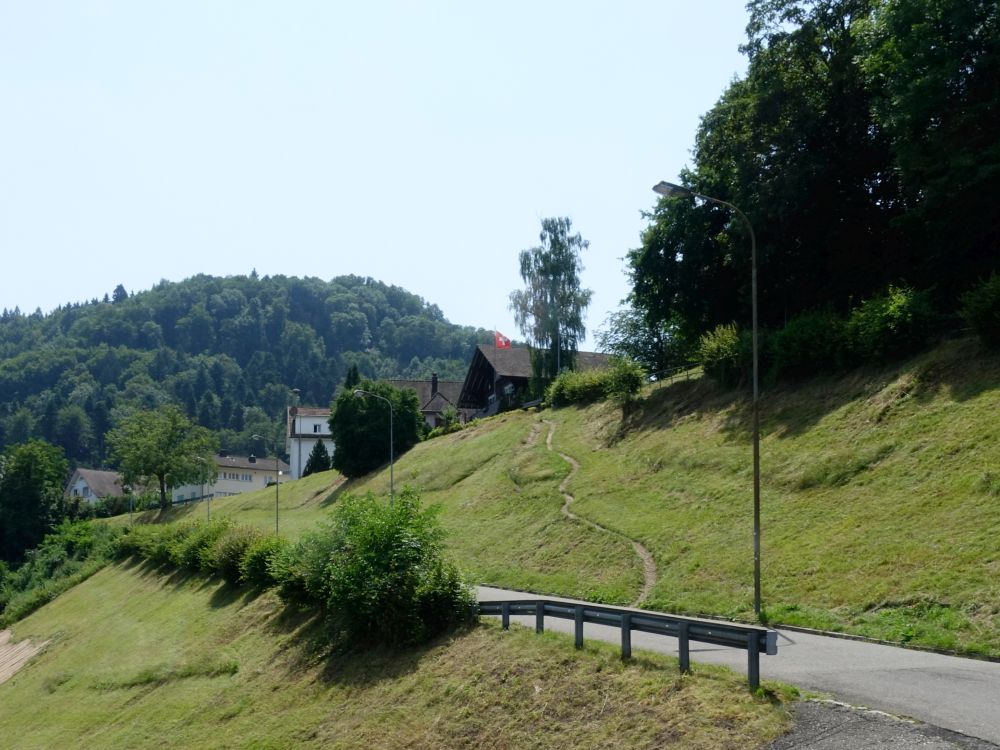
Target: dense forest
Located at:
point(229, 351)
point(863, 145)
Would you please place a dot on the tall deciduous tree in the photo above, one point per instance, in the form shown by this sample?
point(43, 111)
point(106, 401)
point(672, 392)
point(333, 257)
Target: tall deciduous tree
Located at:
point(162, 448)
point(32, 479)
point(360, 427)
point(549, 310)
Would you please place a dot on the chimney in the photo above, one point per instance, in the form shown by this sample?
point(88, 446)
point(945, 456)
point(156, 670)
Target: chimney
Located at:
point(434, 383)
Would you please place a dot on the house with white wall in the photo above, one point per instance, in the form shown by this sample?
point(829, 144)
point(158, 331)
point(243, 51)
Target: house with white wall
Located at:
point(307, 425)
point(236, 474)
point(93, 484)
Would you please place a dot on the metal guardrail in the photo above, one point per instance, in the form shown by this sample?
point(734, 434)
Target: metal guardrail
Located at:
point(674, 374)
point(754, 639)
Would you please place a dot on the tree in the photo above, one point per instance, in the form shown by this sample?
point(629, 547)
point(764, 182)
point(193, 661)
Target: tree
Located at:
point(629, 333)
point(359, 427)
point(32, 480)
point(549, 310)
point(353, 377)
point(119, 294)
point(163, 447)
point(319, 460)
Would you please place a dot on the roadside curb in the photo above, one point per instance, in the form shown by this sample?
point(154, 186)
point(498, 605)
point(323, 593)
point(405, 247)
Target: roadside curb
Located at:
point(880, 642)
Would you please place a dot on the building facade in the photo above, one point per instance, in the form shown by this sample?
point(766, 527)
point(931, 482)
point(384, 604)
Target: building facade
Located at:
point(307, 425)
point(93, 484)
point(236, 474)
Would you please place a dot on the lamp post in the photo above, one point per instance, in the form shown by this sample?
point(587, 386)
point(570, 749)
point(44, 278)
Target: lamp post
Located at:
point(208, 503)
point(277, 476)
point(359, 393)
point(668, 189)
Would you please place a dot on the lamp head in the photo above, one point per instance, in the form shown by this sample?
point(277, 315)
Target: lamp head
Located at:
point(359, 393)
point(670, 190)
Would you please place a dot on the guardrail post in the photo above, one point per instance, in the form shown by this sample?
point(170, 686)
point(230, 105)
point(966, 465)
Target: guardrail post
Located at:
point(579, 627)
point(753, 661)
point(683, 647)
point(505, 615)
point(626, 635)
point(540, 617)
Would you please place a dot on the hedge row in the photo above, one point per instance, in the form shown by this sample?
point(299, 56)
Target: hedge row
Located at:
point(377, 571)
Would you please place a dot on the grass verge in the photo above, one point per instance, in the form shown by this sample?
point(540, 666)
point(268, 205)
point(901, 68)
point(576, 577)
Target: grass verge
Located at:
point(140, 660)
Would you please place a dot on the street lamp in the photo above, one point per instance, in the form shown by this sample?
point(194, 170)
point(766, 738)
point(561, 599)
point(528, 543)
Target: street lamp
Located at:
point(359, 393)
point(669, 190)
point(277, 476)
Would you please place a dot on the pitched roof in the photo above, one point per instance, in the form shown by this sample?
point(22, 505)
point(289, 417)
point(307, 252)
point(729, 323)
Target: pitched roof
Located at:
point(308, 411)
point(102, 483)
point(243, 462)
point(490, 364)
point(448, 390)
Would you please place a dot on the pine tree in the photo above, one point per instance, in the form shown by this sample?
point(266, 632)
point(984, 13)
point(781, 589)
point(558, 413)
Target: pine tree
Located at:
point(319, 460)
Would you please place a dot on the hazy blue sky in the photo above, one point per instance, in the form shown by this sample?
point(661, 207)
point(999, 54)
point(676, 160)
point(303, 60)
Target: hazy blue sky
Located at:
point(416, 143)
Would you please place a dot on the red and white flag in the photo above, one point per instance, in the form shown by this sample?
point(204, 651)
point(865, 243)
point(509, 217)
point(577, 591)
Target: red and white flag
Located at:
point(502, 342)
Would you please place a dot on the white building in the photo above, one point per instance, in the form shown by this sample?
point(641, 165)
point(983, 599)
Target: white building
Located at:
point(93, 484)
point(236, 474)
point(307, 426)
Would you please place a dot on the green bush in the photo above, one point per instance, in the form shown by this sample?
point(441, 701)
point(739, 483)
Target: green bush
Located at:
point(577, 387)
point(379, 571)
point(892, 325)
point(624, 383)
point(192, 549)
point(723, 354)
point(388, 581)
point(225, 556)
point(258, 560)
point(981, 310)
point(810, 343)
point(299, 570)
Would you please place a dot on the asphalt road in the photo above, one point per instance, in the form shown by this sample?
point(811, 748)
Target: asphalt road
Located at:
point(961, 695)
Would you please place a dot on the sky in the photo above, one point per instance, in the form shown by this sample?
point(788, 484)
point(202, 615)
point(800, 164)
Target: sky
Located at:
point(418, 143)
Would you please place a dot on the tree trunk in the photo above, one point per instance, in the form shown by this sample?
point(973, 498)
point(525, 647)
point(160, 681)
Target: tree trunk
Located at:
point(163, 493)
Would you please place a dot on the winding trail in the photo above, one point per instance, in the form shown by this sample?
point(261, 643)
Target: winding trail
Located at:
point(648, 564)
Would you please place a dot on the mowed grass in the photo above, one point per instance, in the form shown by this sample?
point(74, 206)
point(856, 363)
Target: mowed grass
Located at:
point(880, 500)
point(138, 659)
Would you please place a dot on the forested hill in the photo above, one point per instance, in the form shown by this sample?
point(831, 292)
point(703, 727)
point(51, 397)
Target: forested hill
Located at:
point(229, 350)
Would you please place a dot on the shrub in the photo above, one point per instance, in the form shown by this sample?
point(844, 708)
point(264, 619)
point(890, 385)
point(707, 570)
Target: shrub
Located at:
point(624, 382)
point(576, 387)
point(723, 355)
point(810, 343)
point(225, 556)
point(388, 581)
point(258, 559)
point(192, 547)
point(981, 310)
point(379, 571)
point(299, 570)
point(892, 325)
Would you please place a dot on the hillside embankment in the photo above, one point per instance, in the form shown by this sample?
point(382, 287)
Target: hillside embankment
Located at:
point(138, 658)
point(880, 500)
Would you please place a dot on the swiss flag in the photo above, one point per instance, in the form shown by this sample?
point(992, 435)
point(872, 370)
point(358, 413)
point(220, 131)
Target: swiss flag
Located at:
point(502, 341)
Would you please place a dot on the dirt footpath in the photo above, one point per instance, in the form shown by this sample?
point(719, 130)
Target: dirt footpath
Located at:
point(13, 656)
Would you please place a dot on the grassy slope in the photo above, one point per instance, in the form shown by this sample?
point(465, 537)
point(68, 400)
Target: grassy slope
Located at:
point(881, 500)
point(139, 660)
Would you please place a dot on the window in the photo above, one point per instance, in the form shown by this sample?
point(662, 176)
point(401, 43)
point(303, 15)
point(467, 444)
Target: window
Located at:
point(316, 428)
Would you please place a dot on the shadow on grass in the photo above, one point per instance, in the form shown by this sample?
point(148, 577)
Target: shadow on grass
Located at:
point(962, 369)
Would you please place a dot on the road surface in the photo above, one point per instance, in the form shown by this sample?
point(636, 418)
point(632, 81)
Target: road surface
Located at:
point(961, 695)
